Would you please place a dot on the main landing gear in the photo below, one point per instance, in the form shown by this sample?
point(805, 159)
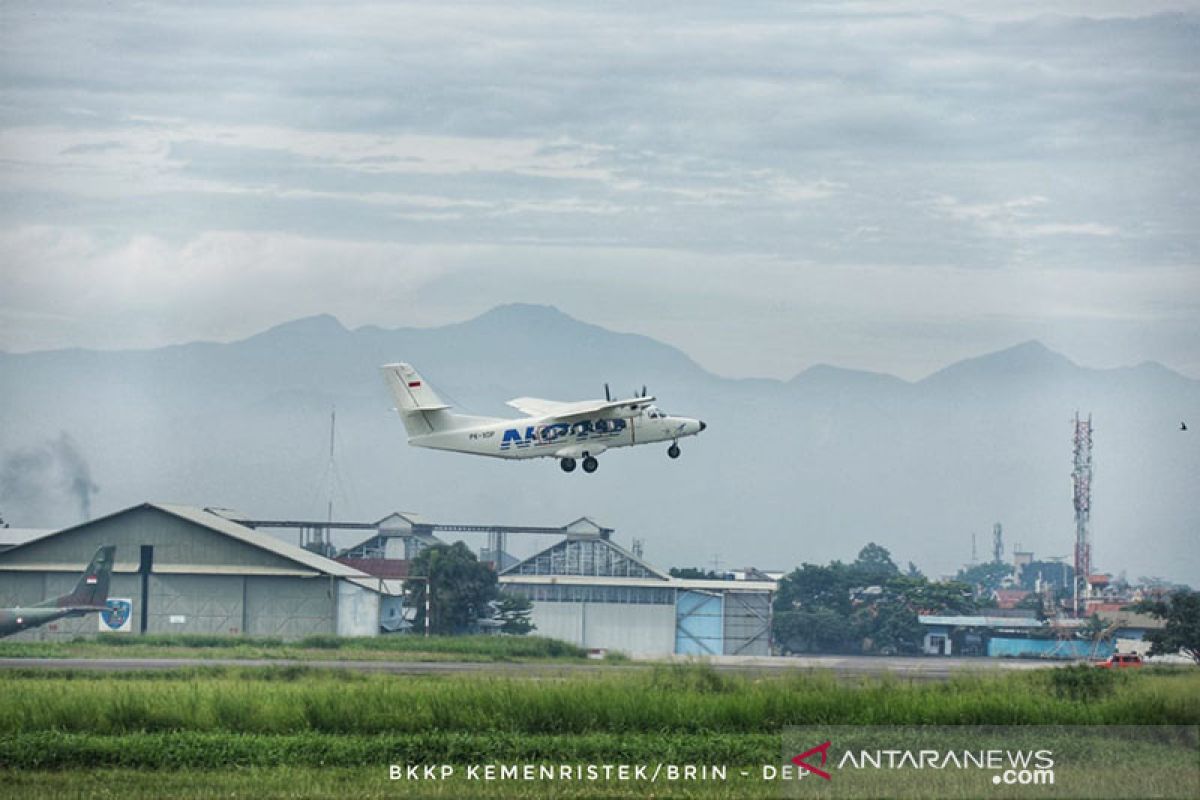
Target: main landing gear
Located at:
point(673, 450)
point(589, 464)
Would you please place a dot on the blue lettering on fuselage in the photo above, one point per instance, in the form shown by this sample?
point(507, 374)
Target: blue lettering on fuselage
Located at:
point(558, 432)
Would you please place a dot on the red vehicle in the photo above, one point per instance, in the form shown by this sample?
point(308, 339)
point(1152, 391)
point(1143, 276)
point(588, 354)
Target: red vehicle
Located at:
point(1120, 661)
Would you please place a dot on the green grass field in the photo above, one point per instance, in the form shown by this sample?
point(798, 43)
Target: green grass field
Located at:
point(391, 648)
point(308, 732)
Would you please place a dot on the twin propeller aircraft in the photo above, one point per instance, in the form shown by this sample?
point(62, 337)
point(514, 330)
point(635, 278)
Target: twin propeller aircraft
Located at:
point(570, 432)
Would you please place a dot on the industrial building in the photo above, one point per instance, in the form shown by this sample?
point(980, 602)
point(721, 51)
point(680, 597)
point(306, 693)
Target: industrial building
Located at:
point(183, 569)
point(593, 593)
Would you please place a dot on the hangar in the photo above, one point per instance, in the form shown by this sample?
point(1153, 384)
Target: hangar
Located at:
point(185, 569)
point(589, 591)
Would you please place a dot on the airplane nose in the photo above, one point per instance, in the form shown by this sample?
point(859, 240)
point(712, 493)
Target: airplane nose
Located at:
point(702, 425)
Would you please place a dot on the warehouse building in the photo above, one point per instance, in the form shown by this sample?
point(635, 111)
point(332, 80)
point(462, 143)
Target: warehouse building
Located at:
point(183, 569)
point(589, 591)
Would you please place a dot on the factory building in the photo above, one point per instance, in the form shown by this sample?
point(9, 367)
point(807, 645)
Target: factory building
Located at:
point(589, 591)
point(182, 569)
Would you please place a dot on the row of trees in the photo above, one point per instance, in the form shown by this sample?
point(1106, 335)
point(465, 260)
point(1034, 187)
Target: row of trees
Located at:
point(869, 605)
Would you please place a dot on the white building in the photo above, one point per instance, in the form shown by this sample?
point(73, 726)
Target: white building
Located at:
point(593, 593)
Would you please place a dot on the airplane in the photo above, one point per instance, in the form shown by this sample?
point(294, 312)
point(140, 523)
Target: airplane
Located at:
point(570, 432)
point(90, 595)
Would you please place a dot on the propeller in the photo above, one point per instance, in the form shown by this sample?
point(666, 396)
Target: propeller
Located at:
point(607, 394)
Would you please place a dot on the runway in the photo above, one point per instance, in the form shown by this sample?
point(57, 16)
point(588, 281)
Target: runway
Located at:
point(911, 668)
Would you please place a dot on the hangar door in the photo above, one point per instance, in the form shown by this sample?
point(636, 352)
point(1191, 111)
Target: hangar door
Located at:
point(748, 623)
point(698, 623)
point(289, 607)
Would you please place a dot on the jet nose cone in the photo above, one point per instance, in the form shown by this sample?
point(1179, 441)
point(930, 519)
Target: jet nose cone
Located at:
point(702, 425)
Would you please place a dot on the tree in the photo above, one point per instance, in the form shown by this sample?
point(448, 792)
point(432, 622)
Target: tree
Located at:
point(810, 587)
point(460, 588)
point(514, 610)
point(889, 626)
point(986, 578)
point(1034, 602)
point(817, 631)
point(925, 597)
point(1182, 632)
point(695, 573)
point(874, 565)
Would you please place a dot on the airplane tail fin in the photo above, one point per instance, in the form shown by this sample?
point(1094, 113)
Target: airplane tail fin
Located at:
point(92, 588)
point(421, 410)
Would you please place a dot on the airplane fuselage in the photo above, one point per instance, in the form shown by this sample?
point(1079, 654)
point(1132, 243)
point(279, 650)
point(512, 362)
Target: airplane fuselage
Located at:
point(546, 437)
point(15, 620)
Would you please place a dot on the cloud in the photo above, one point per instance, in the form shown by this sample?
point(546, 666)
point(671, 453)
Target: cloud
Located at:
point(141, 149)
point(1016, 218)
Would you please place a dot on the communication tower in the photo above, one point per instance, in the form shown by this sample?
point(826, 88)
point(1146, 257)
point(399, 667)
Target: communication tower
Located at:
point(997, 543)
point(1081, 477)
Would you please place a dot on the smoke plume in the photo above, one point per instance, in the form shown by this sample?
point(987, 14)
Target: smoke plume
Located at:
point(36, 483)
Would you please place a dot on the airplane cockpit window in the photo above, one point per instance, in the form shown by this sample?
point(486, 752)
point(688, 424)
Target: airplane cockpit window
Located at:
point(653, 413)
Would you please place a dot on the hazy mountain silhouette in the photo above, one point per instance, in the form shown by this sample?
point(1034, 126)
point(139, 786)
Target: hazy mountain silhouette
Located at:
point(788, 471)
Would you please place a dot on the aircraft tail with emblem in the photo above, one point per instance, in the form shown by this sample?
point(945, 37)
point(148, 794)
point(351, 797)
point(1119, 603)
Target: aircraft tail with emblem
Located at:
point(92, 589)
point(420, 408)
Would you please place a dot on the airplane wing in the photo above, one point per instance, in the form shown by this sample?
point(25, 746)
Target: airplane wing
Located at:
point(537, 407)
point(568, 412)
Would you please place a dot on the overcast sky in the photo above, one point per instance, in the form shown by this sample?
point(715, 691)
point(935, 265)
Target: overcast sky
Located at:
point(881, 185)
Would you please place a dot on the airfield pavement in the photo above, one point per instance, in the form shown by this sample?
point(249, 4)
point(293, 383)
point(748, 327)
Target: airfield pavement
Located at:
point(916, 668)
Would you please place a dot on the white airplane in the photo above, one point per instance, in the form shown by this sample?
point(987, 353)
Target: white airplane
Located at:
point(566, 431)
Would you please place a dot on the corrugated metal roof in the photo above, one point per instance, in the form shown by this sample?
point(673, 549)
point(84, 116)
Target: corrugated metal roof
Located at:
point(10, 537)
point(982, 622)
point(670, 583)
point(262, 541)
point(729, 586)
point(514, 569)
point(388, 586)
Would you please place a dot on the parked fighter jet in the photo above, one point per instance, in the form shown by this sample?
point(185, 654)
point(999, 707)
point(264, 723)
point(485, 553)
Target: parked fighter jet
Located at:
point(89, 596)
point(566, 431)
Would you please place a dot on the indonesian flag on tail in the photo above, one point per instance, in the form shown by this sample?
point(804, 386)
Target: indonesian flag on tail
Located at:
point(91, 580)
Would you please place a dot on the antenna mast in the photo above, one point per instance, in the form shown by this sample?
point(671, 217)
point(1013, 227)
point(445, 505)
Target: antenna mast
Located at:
point(1081, 477)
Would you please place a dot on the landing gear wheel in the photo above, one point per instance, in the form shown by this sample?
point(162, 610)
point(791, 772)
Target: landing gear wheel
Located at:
point(673, 451)
point(590, 464)
point(567, 464)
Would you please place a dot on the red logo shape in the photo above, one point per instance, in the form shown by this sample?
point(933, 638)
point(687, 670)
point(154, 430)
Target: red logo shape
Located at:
point(823, 749)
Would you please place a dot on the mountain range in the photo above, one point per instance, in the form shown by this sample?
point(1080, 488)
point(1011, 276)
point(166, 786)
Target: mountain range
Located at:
point(804, 470)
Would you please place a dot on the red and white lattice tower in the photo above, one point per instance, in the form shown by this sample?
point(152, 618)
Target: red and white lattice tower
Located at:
point(1081, 477)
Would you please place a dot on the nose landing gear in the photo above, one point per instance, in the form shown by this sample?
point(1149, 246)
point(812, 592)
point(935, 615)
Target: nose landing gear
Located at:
point(673, 451)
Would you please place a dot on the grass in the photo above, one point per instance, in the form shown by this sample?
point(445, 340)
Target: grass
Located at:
point(318, 647)
point(667, 698)
point(295, 731)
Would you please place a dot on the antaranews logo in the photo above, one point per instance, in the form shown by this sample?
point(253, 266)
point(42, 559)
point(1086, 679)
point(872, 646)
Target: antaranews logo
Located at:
point(1030, 762)
point(1011, 767)
point(800, 761)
